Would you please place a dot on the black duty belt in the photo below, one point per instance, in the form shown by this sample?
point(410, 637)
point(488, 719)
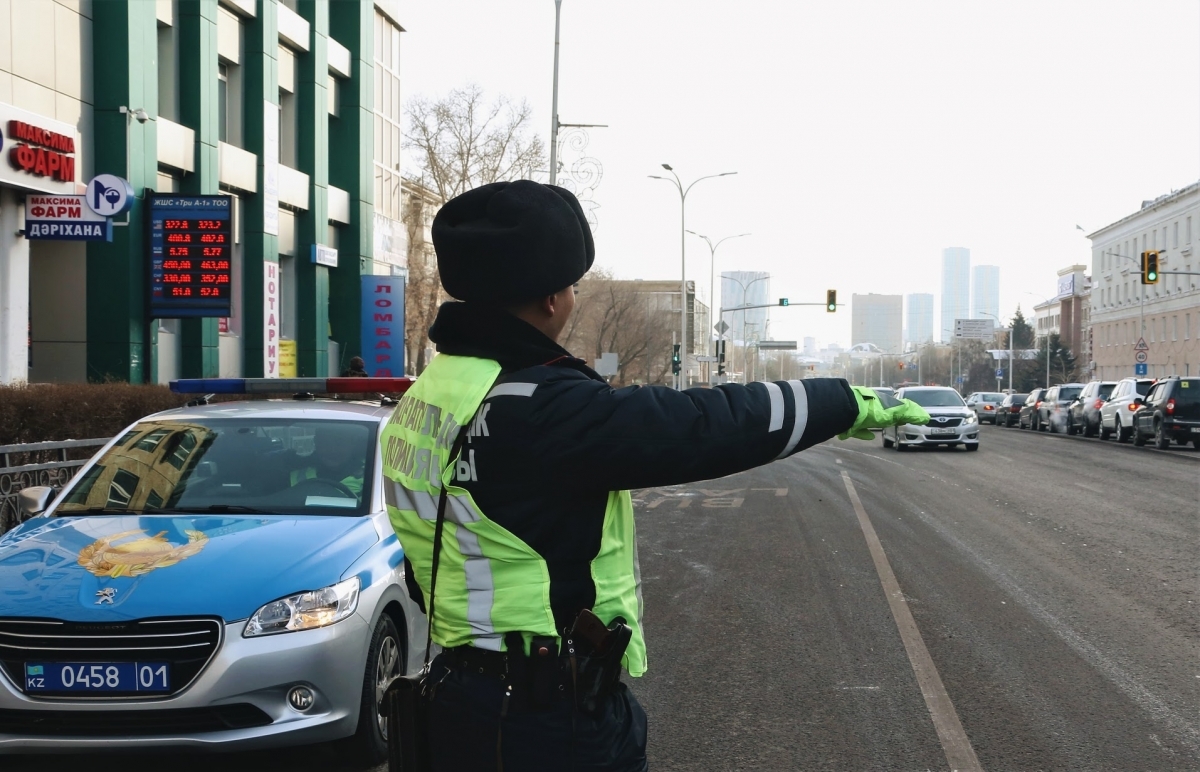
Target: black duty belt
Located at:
point(482, 661)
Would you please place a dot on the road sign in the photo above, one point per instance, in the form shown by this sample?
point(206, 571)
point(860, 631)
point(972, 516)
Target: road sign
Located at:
point(706, 359)
point(1141, 345)
point(1141, 369)
point(959, 380)
point(721, 327)
point(1140, 357)
point(911, 365)
point(1000, 372)
point(109, 195)
point(976, 329)
point(777, 345)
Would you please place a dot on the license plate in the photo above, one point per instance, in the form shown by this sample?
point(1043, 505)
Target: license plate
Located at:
point(97, 677)
point(1196, 430)
point(943, 431)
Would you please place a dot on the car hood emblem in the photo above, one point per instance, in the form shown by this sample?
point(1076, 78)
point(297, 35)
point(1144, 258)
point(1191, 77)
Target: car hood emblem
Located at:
point(105, 558)
point(105, 595)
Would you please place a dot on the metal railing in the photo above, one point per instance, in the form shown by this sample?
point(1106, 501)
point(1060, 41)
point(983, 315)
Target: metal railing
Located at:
point(34, 464)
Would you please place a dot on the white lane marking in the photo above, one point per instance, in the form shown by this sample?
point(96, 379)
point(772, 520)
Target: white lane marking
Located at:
point(1183, 729)
point(957, 747)
point(855, 452)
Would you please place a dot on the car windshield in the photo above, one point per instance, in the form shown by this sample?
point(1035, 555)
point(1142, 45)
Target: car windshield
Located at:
point(1068, 393)
point(231, 465)
point(1106, 390)
point(935, 398)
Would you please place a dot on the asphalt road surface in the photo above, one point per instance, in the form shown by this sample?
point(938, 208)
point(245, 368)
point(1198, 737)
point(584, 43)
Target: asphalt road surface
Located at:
point(1031, 606)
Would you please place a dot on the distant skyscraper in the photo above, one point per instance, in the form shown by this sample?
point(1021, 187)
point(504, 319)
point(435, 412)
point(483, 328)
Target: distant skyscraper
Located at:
point(956, 289)
point(810, 347)
point(745, 288)
point(985, 295)
point(920, 317)
point(878, 319)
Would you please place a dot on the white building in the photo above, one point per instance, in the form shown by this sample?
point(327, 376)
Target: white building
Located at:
point(878, 319)
point(810, 346)
point(956, 289)
point(745, 288)
point(1167, 314)
point(920, 318)
point(985, 294)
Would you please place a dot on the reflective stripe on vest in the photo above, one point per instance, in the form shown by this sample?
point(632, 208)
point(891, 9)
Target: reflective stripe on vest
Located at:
point(489, 581)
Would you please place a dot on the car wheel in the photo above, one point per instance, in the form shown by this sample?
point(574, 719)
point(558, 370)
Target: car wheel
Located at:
point(1161, 440)
point(899, 445)
point(1195, 444)
point(886, 442)
point(1089, 430)
point(385, 663)
point(973, 447)
point(1139, 439)
point(1105, 432)
point(1123, 433)
point(1071, 430)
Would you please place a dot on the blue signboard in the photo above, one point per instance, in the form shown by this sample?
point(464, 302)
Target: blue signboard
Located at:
point(383, 325)
point(191, 262)
point(999, 372)
point(1142, 369)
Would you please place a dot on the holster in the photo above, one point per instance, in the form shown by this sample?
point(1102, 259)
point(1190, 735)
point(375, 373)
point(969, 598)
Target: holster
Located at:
point(408, 701)
point(595, 657)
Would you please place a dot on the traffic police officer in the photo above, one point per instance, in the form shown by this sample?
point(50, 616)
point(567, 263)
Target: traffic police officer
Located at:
point(538, 518)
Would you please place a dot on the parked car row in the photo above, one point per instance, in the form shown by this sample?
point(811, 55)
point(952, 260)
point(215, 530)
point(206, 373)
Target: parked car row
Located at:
point(1138, 409)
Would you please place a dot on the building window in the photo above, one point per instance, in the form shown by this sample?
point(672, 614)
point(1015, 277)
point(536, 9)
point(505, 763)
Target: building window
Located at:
point(1174, 327)
point(388, 117)
point(1175, 241)
point(1189, 230)
point(1187, 326)
point(333, 96)
point(223, 102)
point(168, 73)
point(288, 129)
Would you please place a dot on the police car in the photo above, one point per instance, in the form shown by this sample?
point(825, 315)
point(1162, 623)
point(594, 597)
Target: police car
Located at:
point(219, 576)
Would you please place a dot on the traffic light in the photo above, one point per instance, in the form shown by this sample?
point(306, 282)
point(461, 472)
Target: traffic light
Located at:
point(676, 362)
point(1150, 267)
point(831, 300)
point(783, 301)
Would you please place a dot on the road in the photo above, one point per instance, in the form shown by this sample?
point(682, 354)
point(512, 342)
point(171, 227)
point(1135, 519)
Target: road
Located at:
point(1045, 587)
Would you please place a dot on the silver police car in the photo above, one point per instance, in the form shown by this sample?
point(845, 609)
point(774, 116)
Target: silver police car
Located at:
point(221, 577)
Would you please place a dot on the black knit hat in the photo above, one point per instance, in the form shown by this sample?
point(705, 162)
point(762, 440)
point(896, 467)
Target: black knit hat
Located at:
point(509, 242)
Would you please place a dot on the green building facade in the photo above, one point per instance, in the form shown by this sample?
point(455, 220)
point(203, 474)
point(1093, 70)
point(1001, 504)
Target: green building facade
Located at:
point(277, 103)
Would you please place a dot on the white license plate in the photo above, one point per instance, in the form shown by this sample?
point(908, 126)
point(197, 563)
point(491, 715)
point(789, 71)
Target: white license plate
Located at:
point(943, 431)
point(1196, 430)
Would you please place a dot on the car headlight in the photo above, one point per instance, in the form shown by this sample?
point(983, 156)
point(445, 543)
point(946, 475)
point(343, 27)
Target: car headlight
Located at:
point(305, 610)
point(970, 419)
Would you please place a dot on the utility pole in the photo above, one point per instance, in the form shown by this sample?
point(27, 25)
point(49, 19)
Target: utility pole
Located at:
point(554, 100)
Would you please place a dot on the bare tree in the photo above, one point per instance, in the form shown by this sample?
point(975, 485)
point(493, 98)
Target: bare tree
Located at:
point(613, 316)
point(462, 141)
point(456, 143)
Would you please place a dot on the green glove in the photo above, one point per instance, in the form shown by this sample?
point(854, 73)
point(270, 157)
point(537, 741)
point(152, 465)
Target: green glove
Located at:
point(875, 412)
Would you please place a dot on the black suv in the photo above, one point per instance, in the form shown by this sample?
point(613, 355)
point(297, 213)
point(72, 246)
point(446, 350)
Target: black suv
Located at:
point(1171, 412)
point(1028, 417)
point(1084, 413)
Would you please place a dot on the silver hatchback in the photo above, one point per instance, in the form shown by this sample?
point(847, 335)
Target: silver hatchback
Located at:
point(951, 422)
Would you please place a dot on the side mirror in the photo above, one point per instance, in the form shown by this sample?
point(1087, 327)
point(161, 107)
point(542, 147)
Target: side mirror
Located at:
point(34, 501)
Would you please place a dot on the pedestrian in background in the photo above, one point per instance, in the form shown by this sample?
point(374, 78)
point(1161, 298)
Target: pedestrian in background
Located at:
point(358, 368)
point(530, 456)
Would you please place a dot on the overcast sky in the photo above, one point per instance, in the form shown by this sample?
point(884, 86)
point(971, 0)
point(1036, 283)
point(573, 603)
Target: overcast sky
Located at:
point(867, 136)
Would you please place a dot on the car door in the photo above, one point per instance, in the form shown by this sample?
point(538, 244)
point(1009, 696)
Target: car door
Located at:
point(1113, 404)
point(1144, 417)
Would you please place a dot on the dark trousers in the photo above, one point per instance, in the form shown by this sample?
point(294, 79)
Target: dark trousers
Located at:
point(467, 732)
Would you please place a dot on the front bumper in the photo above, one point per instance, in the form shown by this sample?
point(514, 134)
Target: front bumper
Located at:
point(966, 434)
point(246, 677)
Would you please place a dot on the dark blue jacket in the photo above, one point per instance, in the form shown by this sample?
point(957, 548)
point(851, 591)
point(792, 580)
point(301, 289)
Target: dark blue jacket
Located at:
point(553, 438)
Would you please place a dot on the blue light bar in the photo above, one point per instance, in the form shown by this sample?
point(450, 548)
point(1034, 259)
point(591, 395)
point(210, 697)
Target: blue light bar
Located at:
point(291, 385)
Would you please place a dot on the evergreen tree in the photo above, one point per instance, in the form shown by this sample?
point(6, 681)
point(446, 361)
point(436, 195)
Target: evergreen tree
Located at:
point(1022, 331)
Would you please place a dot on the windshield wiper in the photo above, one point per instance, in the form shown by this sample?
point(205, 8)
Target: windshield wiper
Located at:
point(220, 508)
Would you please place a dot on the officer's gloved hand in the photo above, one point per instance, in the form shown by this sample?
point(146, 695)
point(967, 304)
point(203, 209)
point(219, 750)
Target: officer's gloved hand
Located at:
point(875, 412)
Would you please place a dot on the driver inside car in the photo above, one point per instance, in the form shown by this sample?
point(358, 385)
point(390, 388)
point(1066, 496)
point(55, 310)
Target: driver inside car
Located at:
point(338, 455)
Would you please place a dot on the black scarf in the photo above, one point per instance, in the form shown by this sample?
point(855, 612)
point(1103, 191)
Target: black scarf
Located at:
point(472, 330)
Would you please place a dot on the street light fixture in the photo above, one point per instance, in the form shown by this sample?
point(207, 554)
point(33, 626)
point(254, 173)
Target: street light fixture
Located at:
point(712, 250)
point(674, 180)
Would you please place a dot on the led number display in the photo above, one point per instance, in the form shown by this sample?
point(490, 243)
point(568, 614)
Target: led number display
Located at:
point(191, 265)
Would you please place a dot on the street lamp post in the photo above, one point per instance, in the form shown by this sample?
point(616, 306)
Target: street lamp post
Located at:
point(674, 179)
point(1010, 350)
point(712, 251)
point(1047, 302)
point(745, 292)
